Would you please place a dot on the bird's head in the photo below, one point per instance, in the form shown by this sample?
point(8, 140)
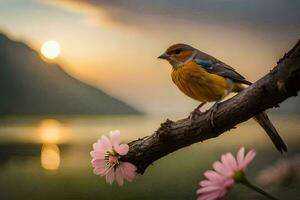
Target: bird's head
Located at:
point(179, 54)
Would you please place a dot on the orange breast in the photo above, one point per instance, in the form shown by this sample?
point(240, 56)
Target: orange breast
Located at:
point(198, 84)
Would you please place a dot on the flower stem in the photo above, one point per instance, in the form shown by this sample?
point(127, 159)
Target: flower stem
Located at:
point(257, 189)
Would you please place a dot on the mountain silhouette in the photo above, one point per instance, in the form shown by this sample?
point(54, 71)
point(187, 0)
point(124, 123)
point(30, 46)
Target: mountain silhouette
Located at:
point(29, 85)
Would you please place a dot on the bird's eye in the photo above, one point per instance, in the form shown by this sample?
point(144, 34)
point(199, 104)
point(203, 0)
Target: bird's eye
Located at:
point(177, 51)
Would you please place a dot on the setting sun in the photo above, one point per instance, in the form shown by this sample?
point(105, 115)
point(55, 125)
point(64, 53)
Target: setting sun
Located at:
point(50, 49)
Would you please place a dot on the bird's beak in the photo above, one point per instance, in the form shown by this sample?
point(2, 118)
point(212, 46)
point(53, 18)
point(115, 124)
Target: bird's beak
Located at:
point(164, 56)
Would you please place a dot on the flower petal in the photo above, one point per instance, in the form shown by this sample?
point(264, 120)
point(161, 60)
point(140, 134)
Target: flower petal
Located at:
point(97, 145)
point(122, 149)
point(226, 164)
point(98, 162)
point(224, 193)
point(205, 183)
point(100, 167)
point(231, 161)
point(208, 196)
point(97, 154)
point(105, 143)
point(119, 176)
point(240, 156)
point(115, 138)
point(129, 170)
point(110, 176)
point(211, 188)
point(222, 169)
point(248, 159)
point(228, 183)
point(213, 176)
point(100, 171)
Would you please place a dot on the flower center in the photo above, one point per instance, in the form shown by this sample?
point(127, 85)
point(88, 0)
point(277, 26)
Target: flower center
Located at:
point(238, 176)
point(112, 158)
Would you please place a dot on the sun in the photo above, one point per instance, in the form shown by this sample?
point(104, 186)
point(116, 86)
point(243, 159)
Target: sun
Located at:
point(50, 49)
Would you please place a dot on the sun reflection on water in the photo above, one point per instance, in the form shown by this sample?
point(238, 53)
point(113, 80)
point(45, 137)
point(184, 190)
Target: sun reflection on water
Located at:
point(51, 132)
point(50, 157)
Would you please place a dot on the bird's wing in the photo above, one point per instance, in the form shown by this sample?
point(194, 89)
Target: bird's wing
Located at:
point(217, 67)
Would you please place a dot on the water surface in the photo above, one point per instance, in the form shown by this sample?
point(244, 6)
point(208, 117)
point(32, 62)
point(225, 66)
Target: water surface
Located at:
point(48, 158)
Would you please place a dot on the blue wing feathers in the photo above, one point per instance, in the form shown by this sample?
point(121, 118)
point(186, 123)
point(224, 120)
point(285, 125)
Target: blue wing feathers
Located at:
point(221, 69)
point(204, 63)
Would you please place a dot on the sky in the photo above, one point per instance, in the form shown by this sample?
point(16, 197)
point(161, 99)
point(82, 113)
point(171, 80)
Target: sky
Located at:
point(114, 44)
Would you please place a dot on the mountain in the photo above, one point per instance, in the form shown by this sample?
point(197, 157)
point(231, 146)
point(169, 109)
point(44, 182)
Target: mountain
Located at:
point(28, 85)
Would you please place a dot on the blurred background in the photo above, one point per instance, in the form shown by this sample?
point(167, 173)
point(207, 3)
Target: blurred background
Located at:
point(72, 70)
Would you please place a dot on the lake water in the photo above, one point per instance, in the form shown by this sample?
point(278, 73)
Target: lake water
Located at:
point(48, 158)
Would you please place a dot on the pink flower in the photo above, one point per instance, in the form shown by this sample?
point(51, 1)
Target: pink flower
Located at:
point(106, 153)
point(283, 173)
point(227, 171)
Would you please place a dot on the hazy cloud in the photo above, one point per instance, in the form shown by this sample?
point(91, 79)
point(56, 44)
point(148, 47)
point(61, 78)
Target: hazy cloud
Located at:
point(267, 14)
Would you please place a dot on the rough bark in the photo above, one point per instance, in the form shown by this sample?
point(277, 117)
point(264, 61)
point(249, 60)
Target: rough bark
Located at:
point(282, 82)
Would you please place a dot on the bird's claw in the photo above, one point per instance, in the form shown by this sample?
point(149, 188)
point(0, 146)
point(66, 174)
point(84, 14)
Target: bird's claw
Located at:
point(211, 117)
point(196, 112)
point(211, 112)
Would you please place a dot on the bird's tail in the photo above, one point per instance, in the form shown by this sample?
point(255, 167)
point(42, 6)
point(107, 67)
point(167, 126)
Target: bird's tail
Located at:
point(267, 125)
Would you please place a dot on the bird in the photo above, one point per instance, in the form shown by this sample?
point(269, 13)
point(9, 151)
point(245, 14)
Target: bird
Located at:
point(206, 79)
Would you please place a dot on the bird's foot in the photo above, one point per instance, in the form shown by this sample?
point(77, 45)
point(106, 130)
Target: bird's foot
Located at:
point(196, 112)
point(211, 112)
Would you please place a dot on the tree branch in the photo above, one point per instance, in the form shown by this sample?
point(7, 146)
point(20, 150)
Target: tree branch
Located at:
point(282, 82)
